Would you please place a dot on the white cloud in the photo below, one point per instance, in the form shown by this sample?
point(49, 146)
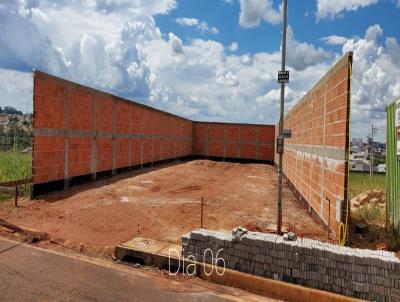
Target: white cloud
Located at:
point(176, 43)
point(373, 32)
point(202, 26)
point(252, 11)
point(376, 78)
point(301, 55)
point(228, 79)
point(331, 9)
point(398, 3)
point(393, 48)
point(187, 21)
point(127, 55)
point(246, 59)
point(22, 45)
point(233, 47)
point(16, 89)
point(334, 40)
point(140, 7)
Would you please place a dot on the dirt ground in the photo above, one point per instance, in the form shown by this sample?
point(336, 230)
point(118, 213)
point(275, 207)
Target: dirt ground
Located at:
point(163, 203)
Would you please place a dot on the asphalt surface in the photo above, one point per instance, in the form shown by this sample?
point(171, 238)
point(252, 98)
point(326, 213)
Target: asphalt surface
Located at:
point(31, 274)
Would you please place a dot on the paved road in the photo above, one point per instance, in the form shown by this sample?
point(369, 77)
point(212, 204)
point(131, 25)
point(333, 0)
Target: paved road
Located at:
point(31, 274)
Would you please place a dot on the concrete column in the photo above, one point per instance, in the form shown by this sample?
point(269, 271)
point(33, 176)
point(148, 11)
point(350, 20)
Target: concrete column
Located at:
point(207, 139)
point(130, 138)
point(66, 139)
point(224, 142)
point(323, 201)
point(257, 142)
point(152, 137)
point(238, 145)
point(94, 142)
point(141, 141)
point(114, 141)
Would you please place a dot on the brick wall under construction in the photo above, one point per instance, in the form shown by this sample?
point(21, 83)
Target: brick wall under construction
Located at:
point(316, 157)
point(234, 141)
point(81, 133)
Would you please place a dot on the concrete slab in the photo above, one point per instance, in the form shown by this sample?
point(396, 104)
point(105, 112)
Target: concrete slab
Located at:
point(150, 252)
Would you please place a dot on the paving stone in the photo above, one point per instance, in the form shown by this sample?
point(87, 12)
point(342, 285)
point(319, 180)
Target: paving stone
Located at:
point(372, 275)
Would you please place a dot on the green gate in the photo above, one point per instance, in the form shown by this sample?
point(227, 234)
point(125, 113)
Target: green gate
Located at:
point(393, 165)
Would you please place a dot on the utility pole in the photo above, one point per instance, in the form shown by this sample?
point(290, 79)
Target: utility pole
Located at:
point(283, 77)
point(371, 156)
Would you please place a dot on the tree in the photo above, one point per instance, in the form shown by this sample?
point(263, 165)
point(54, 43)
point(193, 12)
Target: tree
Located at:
point(11, 110)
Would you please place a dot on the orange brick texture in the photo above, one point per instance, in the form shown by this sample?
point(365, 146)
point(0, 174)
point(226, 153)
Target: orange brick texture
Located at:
point(82, 131)
point(315, 158)
point(237, 141)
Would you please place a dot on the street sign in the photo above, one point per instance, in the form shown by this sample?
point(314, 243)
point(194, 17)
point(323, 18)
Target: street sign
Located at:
point(283, 76)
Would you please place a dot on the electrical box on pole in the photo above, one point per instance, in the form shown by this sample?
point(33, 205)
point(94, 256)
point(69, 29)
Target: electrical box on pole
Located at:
point(287, 133)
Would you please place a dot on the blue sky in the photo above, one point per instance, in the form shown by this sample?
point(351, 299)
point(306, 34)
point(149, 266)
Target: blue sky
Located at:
point(267, 37)
point(213, 60)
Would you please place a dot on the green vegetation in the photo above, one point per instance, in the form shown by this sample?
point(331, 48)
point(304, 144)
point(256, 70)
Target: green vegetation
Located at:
point(372, 214)
point(15, 165)
point(361, 182)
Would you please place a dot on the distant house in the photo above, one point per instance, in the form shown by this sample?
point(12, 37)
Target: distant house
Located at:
point(382, 168)
point(355, 149)
point(358, 166)
point(362, 166)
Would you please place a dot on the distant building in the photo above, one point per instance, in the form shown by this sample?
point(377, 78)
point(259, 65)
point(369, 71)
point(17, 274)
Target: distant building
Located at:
point(361, 165)
point(382, 168)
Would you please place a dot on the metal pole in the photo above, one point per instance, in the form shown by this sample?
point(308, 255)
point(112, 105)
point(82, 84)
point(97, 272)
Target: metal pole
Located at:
point(279, 222)
point(201, 214)
point(371, 156)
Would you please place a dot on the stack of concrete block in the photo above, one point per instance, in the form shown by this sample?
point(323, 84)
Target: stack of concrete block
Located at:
point(365, 274)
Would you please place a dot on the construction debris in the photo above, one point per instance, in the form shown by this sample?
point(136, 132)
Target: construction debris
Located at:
point(369, 198)
point(238, 233)
point(289, 236)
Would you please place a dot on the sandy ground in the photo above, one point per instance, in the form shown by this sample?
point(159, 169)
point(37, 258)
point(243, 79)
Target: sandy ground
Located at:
point(163, 203)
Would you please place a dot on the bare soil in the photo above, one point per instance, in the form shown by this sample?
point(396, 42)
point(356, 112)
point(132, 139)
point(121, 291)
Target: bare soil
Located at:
point(163, 203)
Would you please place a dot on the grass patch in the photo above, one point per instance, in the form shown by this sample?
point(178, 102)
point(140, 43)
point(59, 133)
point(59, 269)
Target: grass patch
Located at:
point(371, 214)
point(13, 166)
point(362, 182)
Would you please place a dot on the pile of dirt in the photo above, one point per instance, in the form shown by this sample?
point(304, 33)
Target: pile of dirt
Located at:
point(369, 198)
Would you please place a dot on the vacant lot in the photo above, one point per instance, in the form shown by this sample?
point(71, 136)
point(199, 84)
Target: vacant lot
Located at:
point(362, 182)
point(164, 203)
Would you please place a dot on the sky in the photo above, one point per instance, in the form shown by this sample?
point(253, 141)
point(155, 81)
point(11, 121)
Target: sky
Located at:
point(208, 60)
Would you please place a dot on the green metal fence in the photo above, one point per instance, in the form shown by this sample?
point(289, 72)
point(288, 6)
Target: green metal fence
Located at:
point(392, 169)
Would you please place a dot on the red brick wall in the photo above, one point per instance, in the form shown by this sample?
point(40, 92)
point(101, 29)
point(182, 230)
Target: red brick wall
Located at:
point(82, 131)
point(315, 158)
point(239, 141)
